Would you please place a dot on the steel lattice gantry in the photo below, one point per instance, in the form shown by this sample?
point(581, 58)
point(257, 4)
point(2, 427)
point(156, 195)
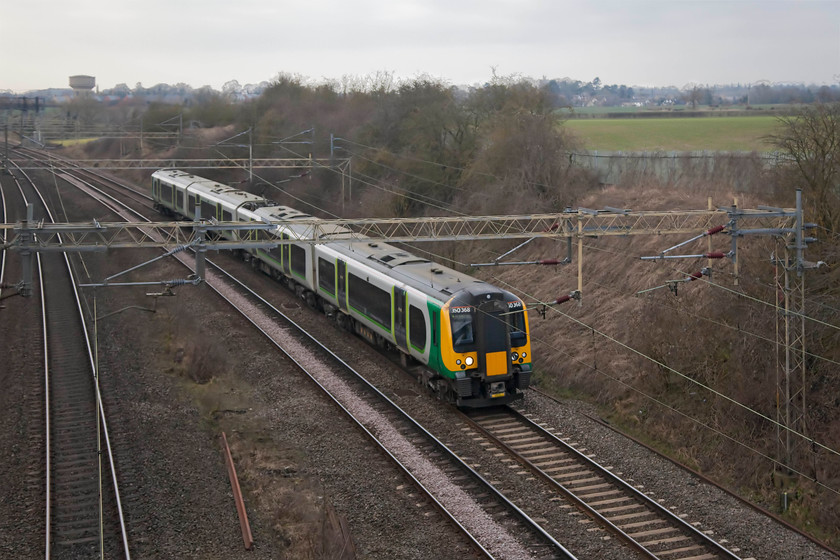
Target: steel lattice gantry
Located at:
point(577, 224)
point(197, 163)
point(787, 224)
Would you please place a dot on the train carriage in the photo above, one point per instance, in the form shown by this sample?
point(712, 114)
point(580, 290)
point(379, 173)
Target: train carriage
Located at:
point(469, 339)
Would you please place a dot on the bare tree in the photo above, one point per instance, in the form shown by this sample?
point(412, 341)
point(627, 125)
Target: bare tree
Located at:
point(231, 89)
point(812, 140)
point(694, 94)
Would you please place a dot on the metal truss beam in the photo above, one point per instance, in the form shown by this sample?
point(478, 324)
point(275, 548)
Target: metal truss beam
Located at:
point(578, 224)
point(198, 163)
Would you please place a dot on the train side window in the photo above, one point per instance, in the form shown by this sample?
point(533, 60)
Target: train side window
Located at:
point(226, 216)
point(179, 200)
point(191, 203)
point(166, 193)
point(369, 300)
point(208, 210)
point(416, 328)
point(326, 276)
point(298, 260)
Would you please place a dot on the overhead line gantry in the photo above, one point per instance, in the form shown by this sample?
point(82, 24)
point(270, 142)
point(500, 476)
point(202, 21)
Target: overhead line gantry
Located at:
point(787, 224)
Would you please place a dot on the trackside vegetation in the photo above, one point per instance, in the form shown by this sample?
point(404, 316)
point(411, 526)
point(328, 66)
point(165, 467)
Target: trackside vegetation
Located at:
point(424, 148)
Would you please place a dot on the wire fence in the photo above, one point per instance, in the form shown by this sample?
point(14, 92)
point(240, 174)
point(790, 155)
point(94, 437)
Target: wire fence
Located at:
point(672, 166)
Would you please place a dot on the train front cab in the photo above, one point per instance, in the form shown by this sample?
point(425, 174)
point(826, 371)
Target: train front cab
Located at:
point(485, 348)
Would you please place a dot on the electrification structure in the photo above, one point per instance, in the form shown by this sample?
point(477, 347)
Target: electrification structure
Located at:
point(785, 224)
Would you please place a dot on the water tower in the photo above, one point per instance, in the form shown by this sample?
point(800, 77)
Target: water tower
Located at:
point(82, 85)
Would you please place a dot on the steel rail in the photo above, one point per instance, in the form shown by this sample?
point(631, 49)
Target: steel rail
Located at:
point(98, 397)
point(381, 396)
point(391, 405)
point(71, 164)
point(604, 473)
point(326, 391)
point(364, 429)
point(47, 455)
point(5, 236)
point(702, 477)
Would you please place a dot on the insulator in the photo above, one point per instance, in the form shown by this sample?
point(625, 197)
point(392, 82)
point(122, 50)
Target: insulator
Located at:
point(715, 230)
point(716, 255)
point(550, 261)
point(695, 275)
point(562, 299)
point(554, 226)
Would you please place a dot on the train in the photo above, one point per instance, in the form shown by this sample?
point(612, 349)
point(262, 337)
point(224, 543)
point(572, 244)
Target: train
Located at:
point(465, 339)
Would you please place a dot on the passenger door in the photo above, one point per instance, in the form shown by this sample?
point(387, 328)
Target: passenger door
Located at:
point(341, 288)
point(286, 251)
point(400, 317)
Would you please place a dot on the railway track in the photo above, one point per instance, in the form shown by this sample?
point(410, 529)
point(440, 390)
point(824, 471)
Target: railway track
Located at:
point(492, 523)
point(380, 414)
point(619, 516)
point(82, 504)
point(641, 522)
point(496, 526)
point(113, 185)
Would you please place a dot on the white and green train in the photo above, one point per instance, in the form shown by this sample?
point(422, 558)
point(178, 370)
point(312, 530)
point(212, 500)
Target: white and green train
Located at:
point(471, 337)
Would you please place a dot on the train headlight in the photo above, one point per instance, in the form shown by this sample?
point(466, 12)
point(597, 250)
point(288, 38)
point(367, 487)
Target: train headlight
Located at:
point(514, 356)
point(469, 361)
point(524, 354)
point(458, 362)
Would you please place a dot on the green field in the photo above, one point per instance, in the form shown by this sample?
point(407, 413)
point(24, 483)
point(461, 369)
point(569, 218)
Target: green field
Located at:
point(675, 134)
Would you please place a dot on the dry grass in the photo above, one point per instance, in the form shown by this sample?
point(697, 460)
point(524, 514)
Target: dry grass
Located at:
point(273, 474)
point(658, 363)
point(650, 370)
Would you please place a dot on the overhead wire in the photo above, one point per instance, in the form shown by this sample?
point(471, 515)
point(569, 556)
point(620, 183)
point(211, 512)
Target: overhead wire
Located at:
point(406, 173)
point(668, 368)
point(463, 169)
point(758, 452)
point(660, 364)
point(370, 181)
point(738, 293)
point(592, 329)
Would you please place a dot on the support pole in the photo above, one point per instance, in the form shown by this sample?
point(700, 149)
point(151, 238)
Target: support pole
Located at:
point(709, 239)
point(26, 237)
point(792, 392)
point(580, 258)
point(733, 230)
point(201, 248)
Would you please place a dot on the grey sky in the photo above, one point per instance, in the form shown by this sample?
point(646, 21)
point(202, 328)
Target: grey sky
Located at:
point(208, 42)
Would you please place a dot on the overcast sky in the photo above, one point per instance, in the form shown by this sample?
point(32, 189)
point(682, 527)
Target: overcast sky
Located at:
point(209, 42)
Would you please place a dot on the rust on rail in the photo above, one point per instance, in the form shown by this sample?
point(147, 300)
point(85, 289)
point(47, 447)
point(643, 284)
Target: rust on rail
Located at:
point(237, 497)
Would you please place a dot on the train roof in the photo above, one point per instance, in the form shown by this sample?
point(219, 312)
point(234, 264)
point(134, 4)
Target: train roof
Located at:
point(422, 274)
point(431, 278)
point(200, 185)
